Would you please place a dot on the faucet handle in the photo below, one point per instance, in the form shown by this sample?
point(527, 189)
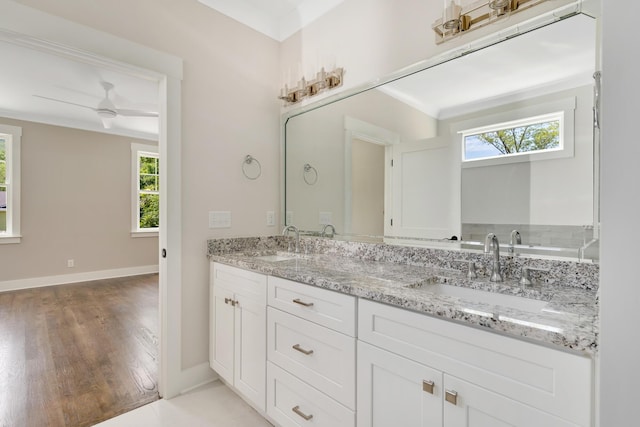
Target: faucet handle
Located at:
point(525, 279)
point(471, 269)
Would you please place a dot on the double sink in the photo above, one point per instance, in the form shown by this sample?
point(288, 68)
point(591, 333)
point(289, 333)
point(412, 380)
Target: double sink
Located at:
point(436, 288)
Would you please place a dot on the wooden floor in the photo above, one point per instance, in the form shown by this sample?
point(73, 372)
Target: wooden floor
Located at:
point(77, 354)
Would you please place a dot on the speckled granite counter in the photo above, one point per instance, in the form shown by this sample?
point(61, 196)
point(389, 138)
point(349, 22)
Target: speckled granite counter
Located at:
point(568, 319)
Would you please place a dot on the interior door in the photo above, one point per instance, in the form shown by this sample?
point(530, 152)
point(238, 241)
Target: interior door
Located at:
point(421, 205)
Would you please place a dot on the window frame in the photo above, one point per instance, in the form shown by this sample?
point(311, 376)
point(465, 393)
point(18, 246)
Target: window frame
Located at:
point(563, 110)
point(13, 149)
point(137, 151)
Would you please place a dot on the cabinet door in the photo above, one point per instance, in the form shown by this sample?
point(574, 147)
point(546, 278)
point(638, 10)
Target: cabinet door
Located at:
point(394, 391)
point(222, 330)
point(477, 407)
point(250, 350)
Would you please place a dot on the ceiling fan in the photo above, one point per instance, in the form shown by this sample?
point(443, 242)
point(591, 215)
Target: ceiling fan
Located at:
point(106, 109)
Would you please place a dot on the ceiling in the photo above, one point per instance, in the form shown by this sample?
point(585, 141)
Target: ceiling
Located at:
point(278, 19)
point(33, 72)
point(548, 59)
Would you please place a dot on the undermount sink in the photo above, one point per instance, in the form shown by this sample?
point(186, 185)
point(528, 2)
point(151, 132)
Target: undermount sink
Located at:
point(279, 256)
point(485, 297)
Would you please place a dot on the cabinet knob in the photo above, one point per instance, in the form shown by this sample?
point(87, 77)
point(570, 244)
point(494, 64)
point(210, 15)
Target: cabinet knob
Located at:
point(306, 304)
point(427, 386)
point(297, 410)
point(302, 350)
point(451, 396)
point(227, 300)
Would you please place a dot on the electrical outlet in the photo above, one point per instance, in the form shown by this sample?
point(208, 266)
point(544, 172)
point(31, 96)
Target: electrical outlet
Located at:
point(271, 218)
point(71, 263)
point(289, 218)
point(325, 218)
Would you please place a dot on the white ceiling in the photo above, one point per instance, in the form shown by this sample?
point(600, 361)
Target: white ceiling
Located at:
point(278, 19)
point(548, 59)
point(26, 72)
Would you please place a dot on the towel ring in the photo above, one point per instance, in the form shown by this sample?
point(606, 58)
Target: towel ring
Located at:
point(249, 160)
point(308, 170)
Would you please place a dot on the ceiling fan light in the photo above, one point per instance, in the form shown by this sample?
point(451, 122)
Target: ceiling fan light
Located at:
point(106, 113)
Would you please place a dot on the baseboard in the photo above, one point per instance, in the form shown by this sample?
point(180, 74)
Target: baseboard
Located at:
point(197, 376)
point(38, 282)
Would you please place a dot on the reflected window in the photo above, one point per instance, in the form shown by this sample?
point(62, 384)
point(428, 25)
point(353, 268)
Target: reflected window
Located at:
point(527, 136)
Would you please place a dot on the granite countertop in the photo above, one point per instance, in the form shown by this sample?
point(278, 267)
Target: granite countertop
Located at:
point(567, 321)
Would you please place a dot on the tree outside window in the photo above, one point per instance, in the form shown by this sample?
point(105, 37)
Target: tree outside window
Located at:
point(148, 190)
point(520, 138)
point(3, 186)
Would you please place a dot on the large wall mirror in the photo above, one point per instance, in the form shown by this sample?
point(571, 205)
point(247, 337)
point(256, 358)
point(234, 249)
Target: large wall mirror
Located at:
point(496, 140)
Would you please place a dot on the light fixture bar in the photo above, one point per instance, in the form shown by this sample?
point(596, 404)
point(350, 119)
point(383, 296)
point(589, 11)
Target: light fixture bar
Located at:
point(477, 15)
point(324, 81)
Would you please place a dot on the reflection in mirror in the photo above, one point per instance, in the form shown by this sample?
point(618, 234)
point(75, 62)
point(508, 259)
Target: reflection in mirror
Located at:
point(392, 161)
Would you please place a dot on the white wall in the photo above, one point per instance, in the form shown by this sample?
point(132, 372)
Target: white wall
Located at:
point(620, 211)
point(229, 109)
point(75, 204)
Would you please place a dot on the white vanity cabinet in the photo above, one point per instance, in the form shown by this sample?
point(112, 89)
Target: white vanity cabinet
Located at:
point(311, 353)
point(237, 330)
point(415, 370)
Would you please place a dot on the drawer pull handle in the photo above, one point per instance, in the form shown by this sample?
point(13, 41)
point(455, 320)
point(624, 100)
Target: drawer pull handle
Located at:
point(306, 304)
point(302, 350)
point(297, 410)
point(427, 386)
point(451, 396)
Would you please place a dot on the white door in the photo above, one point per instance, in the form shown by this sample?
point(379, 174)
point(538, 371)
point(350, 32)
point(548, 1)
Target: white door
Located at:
point(250, 350)
point(394, 391)
point(222, 345)
point(421, 205)
point(478, 407)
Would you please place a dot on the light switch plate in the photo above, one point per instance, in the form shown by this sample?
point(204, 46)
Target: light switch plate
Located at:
point(219, 219)
point(271, 218)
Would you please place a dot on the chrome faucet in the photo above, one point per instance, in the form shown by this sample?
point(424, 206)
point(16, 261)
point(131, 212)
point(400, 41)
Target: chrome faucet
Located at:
point(324, 230)
point(491, 244)
point(293, 228)
point(516, 239)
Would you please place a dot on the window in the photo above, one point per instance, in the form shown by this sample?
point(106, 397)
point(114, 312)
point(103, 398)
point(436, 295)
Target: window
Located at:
point(518, 133)
point(10, 184)
point(146, 189)
point(534, 134)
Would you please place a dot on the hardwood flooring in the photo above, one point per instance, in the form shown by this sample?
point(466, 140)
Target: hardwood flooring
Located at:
point(78, 354)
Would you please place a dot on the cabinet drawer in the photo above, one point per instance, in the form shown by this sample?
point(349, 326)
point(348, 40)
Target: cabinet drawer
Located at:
point(290, 400)
point(551, 380)
point(323, 358)
point(324, 307)
point(249, 284)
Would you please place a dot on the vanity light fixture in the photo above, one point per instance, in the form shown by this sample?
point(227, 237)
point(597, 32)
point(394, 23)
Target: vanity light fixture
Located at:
point(324, 80)
point(457, 19)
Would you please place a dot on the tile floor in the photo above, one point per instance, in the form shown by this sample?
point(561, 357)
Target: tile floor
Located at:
point(212, 405)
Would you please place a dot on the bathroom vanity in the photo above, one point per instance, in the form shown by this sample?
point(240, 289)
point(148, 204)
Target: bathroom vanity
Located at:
point(355, 335)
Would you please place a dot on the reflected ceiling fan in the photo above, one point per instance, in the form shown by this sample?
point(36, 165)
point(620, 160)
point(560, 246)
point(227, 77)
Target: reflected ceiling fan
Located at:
point(106, 109)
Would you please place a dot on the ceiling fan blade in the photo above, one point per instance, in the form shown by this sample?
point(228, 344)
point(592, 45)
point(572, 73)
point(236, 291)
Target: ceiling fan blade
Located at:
point(135, 113)
point(65, 102)
point(106, 122)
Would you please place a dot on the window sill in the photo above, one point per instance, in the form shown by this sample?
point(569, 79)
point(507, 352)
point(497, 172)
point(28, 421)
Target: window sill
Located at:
point(7, 240)
point(139, 234)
